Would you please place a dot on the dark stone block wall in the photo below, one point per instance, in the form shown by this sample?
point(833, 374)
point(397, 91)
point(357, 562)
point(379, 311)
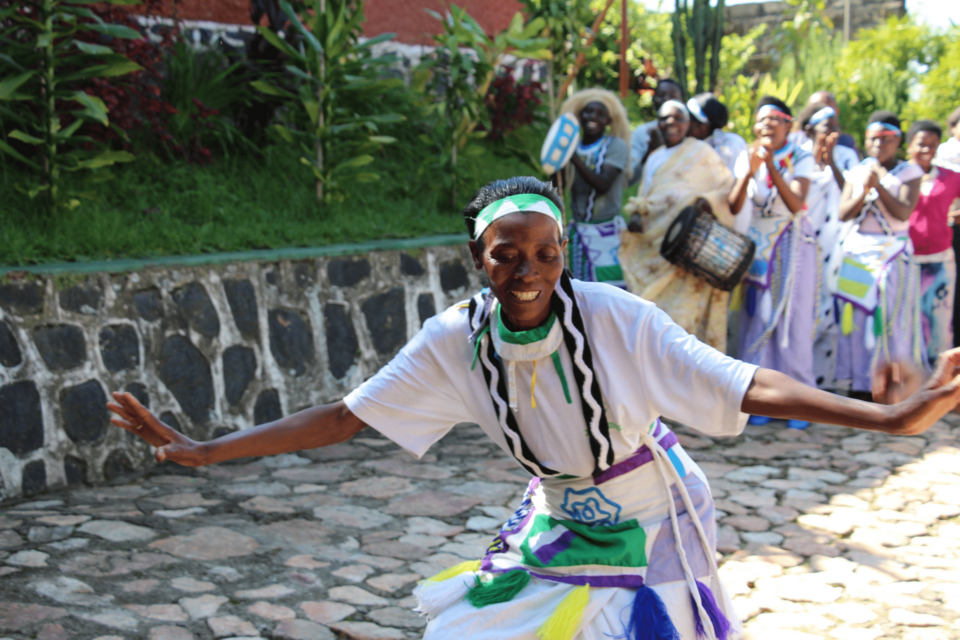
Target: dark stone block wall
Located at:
point(211, 350)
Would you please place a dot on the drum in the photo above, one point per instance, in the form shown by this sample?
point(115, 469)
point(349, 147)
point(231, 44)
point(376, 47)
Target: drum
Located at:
point(560, 144)
point(697, 242)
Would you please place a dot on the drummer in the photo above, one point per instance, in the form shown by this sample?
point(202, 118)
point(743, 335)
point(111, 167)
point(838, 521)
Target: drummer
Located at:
point(779, 298)
point(683, 172)
point(596, 176)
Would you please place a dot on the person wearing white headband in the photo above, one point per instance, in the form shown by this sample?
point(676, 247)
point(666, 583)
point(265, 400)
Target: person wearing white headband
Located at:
point(684, 171)
point(779, 299)
point(645, 139)
point(570, 379)
point(873, 274)
point(708, 118)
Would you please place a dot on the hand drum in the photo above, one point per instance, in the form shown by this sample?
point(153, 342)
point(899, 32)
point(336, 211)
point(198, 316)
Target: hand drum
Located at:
point(561, 143)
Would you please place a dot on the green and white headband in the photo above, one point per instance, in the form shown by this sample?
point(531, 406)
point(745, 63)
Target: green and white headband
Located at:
point(513, 204)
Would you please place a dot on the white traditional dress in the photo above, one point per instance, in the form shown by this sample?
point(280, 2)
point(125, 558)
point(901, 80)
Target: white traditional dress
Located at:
point(591, 553)
point(780, 295)
point(875, 283)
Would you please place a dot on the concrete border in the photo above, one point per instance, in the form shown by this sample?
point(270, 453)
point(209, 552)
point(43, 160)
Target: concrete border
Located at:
point(263, 255)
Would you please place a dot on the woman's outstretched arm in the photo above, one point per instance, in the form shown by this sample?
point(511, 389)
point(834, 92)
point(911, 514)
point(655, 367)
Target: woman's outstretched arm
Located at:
point(776, 395)
point(308, 429)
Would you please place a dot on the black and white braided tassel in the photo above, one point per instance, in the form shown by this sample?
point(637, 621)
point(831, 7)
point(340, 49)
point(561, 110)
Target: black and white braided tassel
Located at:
point(495, 378)
point(574, 336)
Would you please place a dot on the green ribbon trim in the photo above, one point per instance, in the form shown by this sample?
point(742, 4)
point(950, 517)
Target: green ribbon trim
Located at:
point(528, 336)
point(555, 356)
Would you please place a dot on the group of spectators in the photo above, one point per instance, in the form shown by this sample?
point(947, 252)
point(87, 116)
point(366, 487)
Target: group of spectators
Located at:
point(852, 284)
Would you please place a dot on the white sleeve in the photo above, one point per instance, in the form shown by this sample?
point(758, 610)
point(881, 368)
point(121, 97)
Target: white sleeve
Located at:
point(742, 167)
point(845, 158)
point(689, 381)
point(412, 400)
point(804, 167)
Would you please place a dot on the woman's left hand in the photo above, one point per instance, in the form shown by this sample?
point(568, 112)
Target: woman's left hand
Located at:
point(939, 395)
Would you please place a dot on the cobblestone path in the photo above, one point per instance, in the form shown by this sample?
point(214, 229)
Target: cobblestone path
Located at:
point(826, 533)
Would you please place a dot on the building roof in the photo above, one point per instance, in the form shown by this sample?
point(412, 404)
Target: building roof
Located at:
point(407, 18)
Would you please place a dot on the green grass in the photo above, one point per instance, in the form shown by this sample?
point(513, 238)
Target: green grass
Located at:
point(152, 208)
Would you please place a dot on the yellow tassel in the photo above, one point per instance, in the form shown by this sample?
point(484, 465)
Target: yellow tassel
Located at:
point(846, 319)
point(453, 572)
point(565, 620)
point(533, 384)
point(736, 298)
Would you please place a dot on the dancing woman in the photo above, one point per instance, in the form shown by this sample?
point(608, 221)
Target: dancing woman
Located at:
point(616, 534)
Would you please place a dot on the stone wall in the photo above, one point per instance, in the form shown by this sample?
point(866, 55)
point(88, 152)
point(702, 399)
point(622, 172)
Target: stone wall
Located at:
point(211, 349)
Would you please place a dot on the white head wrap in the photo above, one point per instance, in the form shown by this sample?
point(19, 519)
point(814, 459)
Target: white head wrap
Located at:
point(673, 103)
point(696, 111)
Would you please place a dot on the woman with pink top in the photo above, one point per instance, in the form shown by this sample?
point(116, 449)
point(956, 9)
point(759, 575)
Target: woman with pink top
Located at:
point(932, 237)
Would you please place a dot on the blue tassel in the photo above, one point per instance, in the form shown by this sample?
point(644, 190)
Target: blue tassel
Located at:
point(649, 619)
point(751, 301)
point(721, 626)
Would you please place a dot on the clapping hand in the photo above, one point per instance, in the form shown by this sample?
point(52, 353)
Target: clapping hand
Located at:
point(758, 156)
point(825, 147)
point(170, 443)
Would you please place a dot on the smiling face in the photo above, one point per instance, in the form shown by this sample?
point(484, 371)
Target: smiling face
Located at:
point(523, 259)
point(772, 130)
point(881, 146)
point(594, 118)
point(923, 147)
point(673, 125)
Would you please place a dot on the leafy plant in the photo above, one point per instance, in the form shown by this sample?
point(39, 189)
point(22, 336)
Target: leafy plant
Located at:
point(512, 103)
point(333, 84)
point(44, 67)
point(564, 20)
point(940, 93)
point(138, 113)
point(742, 95)
point(456, 79)
point(649, 54)
point(205, 90)
point(809, 21)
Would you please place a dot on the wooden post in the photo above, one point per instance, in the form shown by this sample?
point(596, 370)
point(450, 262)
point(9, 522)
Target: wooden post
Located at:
point(624, 45)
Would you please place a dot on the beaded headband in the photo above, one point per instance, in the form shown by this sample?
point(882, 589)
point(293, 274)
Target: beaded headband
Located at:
point(771, 110)
point(884, 129)
point(824, 114)
point(673, 103)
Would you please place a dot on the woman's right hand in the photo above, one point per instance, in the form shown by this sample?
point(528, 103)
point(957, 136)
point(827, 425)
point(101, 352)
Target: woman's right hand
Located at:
point(758, 156)
point(170, 443)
